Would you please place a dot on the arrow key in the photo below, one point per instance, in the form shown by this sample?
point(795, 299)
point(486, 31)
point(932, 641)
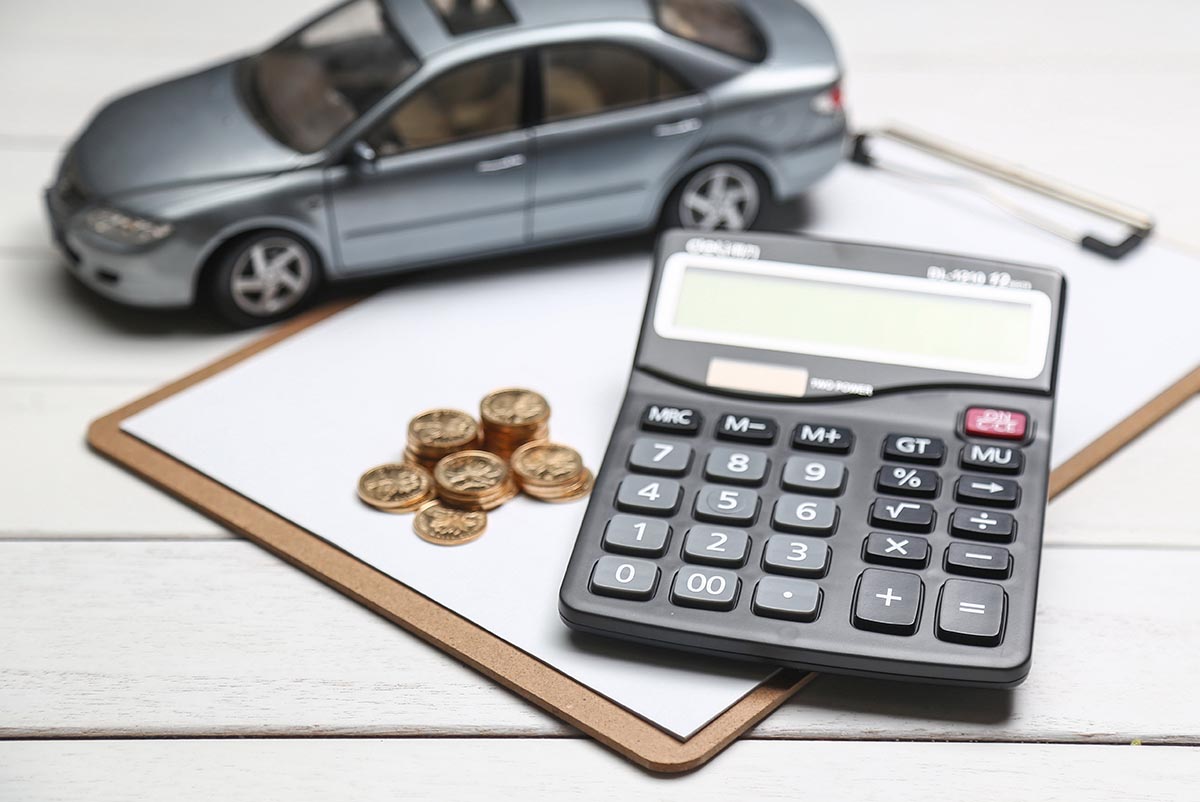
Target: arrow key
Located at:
point(987, 490)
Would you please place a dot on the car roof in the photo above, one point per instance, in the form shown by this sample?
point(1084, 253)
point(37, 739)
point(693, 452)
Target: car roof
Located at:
point(424, 32)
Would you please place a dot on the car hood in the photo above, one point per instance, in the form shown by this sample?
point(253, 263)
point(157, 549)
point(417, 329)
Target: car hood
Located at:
point(191, 129)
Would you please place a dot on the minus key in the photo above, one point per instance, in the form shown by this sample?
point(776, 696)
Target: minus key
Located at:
point(975, 559)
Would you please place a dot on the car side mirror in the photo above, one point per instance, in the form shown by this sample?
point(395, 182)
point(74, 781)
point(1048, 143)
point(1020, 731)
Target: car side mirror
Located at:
point(363, 157)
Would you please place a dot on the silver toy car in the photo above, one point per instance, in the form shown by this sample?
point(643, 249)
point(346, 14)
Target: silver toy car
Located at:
point(392, 134)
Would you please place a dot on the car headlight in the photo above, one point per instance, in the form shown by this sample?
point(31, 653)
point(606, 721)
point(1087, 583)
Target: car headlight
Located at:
point(125, 228)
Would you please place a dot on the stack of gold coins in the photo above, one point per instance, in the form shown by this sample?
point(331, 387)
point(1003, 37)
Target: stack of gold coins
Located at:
point(438, 432)
point(551, 472)
point(513, 417)
point(473, 480)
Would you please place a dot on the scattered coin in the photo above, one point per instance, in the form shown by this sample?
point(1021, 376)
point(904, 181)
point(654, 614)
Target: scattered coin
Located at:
point(396, 487)
point(513, 417)
point(551, 471)
point(474, 480)
point(438, 432)
point(448, 527)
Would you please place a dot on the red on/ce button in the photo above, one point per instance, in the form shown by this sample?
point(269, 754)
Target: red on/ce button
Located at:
point(1003, 424)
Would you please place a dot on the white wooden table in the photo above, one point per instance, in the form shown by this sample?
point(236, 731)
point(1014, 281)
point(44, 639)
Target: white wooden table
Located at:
point(147, 654)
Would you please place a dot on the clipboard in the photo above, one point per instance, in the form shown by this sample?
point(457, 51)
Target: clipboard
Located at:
point(537, 682)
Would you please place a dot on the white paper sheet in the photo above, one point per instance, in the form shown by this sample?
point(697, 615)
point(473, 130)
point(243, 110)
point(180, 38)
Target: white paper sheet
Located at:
point(292, 427)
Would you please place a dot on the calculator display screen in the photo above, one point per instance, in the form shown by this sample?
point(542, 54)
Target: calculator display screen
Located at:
point(855, 314)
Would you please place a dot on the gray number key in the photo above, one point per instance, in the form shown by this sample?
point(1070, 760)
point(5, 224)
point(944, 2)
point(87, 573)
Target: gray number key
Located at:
point(716, 545)
point(709, 588)
point(820, 477)
point(660, 456)
point(736, 466)
point(813, 516)
point(629, 534)
point(624, 577)
point(648, 495)
point(726, 505)
point(793, 599)
point(799, 556)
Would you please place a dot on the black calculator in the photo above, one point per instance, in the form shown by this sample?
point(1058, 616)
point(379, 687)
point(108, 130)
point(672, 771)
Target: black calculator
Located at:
point(830, 456)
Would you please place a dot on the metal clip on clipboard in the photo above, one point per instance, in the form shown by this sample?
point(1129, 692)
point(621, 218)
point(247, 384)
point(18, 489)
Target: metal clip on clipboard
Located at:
point(1139, 223)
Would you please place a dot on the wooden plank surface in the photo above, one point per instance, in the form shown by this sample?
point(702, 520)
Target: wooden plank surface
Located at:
point(217, 638)
point(421, 769)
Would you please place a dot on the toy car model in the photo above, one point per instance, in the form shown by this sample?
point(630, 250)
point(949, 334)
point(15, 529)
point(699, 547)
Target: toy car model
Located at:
point(392, 134)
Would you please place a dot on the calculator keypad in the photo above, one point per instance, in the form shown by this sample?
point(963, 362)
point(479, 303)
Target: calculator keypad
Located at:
point(905, 534)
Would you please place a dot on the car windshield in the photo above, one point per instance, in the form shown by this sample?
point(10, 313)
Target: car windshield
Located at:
point(308, 88)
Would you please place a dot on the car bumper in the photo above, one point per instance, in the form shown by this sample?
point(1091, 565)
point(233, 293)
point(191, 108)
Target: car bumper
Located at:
point(160, 276)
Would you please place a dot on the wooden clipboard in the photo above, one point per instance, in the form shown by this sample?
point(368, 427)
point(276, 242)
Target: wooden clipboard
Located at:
point(521, 673)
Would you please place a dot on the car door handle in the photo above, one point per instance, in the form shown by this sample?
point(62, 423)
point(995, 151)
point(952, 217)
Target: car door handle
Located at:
point(678, 127)
point(503, 163)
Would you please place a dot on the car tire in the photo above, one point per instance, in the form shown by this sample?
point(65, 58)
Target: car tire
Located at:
point(725, 196)
point(263, 277)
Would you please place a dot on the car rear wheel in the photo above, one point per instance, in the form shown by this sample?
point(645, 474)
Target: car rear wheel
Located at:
point(720, 197)
point(263, 277)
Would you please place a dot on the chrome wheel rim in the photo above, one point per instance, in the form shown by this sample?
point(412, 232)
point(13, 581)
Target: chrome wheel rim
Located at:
point(271, 276)
point(720, 197)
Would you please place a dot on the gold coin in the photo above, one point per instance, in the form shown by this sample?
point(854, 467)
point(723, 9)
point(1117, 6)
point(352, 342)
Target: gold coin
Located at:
point(443, 429)
point(446, 527)
point(395, 487)
point(576, 489)
point(470, 473)
point(514, 407)
point(543, 463)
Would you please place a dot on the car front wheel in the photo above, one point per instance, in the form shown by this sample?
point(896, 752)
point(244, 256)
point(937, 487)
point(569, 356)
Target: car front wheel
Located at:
point(723, 196)
point(263, 277)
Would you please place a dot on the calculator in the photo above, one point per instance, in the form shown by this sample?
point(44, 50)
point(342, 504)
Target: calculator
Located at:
point(830, 456)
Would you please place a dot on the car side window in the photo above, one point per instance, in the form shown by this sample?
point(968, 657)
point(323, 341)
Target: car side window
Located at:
point(583, 79)
point(470, 101)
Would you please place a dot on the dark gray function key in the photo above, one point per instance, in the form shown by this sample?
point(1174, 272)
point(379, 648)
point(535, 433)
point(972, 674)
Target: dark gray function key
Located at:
point(631, 534)
point(976, 559)
point(971, 612)
point(791, 599)
point(648, 495)
point(823, 437)
point(909, 516)
point(914, 448)
point(796, 555)
point(624, 577)
point(902, 551)
point(726, 505)
point(746, 428)
point(708, 588)
point(737, 466)
point(992, 491)
point(812, 516)
point(669, 419)
point(991, 458)
point(888, 601)
point(819, 477)
point(904, 480)
point(977, 524)
point(660, 456)
point(716, 545)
